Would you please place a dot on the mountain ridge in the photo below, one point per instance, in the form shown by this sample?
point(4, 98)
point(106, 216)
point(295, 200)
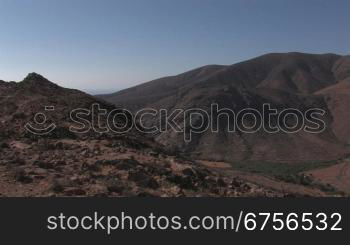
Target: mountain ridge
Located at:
point(283, 80)
point(269, 70)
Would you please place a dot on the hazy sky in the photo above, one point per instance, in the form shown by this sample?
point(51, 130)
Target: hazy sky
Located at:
point(103, 46)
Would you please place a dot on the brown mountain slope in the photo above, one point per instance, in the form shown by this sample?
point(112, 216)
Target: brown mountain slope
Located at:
point(338, 102)
point(290, 72)
point(138, 96)
point(290, 80)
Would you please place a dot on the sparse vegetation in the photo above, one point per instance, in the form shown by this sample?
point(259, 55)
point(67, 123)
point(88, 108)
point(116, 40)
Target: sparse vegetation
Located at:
point(278, 168)
point(290, 173)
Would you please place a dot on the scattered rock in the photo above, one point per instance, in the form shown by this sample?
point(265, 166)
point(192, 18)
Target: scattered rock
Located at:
point(236, 183)
point(114, 185)
point(92, 166)
point(127, 164)
point(74, 191)
point(146, 194)
point(44, 164)
point(39, 171)
point(98, 189)
point(4, 145)
point(221, 182)
point(21, 176)
point(56, 187)
point(189, 172)
point(18, 161)
point(185, 182)
point(143, 180)
point(59, 146)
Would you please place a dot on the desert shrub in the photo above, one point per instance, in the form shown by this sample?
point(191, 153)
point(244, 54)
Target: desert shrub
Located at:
point(56, 187)
point(19, 115)
point(300, 179)
point(278, 169)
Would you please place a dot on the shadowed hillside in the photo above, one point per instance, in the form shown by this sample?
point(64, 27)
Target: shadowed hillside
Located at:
point(282, 80)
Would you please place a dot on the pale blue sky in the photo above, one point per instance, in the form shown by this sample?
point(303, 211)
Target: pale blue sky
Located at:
point(103, 46)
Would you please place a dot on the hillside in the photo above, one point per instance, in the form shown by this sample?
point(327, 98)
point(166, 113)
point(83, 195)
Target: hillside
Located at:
point(64, 163)
point(282, 80)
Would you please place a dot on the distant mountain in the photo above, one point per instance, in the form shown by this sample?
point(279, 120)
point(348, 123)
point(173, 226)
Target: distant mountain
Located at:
point(283, 80)
point(290, 72)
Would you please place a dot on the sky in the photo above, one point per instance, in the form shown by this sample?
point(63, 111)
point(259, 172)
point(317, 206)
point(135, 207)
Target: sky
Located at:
point(101, 46)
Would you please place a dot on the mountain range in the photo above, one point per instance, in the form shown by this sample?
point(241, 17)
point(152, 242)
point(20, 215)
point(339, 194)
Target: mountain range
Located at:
point(66, 163)
point(282, 80)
